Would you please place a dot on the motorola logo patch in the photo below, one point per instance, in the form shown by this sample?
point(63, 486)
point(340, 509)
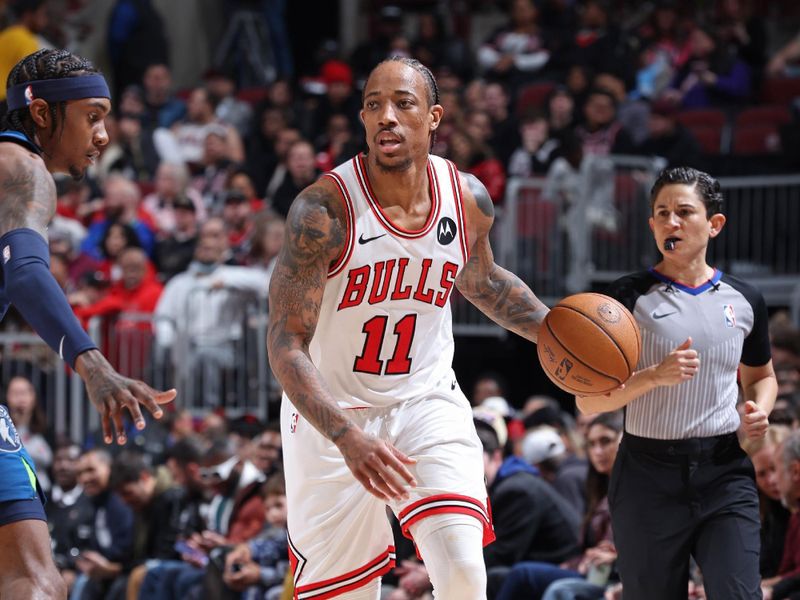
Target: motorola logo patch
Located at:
point(446, 230)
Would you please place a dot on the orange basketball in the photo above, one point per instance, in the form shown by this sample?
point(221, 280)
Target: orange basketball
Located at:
point(589, 344)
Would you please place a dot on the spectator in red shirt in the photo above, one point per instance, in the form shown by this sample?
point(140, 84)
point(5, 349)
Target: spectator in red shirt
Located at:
point(128, 338)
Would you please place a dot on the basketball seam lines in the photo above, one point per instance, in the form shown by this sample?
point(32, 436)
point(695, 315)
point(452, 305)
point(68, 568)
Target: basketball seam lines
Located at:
point(599, 372)
point(605, 333)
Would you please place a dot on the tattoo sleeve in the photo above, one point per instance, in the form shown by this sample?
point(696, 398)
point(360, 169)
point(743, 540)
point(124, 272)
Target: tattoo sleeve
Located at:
point(27, 194)
point(499, 294)
point(315, 236)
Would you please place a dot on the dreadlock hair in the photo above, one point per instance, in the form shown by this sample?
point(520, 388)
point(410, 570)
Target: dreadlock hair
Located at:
point(430, 80)
point(43, 64)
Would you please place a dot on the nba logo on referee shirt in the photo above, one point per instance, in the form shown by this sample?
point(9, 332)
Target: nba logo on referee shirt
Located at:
point(730, 316)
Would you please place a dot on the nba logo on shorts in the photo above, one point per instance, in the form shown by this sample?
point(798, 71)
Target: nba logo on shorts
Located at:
point(293, 423)
point(6, 254)
point(730, 316)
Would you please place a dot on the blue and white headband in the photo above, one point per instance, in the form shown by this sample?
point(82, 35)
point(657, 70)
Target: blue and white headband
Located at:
point(57, 90)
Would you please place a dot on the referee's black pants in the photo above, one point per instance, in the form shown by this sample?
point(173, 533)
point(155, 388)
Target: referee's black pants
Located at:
point(672, 499)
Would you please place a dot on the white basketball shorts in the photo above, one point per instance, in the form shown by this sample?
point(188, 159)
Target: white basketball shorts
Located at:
point(339, 534)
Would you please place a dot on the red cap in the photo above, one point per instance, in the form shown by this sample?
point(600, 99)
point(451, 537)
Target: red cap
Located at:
point(335, 71)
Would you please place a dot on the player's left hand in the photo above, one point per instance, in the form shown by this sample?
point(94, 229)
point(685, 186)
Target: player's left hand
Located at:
point(754, 421)
point(110, 392)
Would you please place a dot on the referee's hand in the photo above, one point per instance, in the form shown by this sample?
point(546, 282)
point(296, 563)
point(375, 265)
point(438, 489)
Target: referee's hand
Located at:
point(378, 466)
point(754, 421)
point(679, 365)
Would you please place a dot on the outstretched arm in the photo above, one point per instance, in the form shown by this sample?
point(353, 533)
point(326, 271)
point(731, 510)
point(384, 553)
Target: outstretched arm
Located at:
point(501, 295)
point(28, 204)
point(315, 237)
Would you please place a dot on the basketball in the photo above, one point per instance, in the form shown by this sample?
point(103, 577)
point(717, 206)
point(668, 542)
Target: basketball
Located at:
point(589, 344)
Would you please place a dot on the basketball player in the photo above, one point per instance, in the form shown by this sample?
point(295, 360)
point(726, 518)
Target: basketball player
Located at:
point(56, 106)
point(681, 485)
point(361, 340)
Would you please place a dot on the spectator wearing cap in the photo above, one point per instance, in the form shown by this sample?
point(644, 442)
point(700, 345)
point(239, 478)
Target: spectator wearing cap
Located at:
point(174, 252)
point(340, 97)
point(301, 171)
point(172, 187)
point(238, 217)
point(668, 138)
point(531, 521)
point(221, 88)
point(550, 440)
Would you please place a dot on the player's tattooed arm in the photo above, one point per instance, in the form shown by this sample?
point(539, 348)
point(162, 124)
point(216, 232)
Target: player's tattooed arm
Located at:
point(500, 294)
point(27, 190)
point(315, 237)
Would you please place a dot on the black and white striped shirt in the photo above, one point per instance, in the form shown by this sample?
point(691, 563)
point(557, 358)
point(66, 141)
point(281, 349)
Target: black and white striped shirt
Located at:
point(727, 321)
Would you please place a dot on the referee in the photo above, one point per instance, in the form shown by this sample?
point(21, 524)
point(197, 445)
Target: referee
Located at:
point(681, 485)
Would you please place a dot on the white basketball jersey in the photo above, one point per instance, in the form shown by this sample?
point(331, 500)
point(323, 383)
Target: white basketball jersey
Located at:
point(385, 329)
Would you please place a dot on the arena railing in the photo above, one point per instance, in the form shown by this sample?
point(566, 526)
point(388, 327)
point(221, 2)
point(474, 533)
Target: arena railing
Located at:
point(233, 374)
point(580, 231)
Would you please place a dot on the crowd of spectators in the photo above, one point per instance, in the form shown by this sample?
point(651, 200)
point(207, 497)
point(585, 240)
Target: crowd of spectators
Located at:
point(176, 230)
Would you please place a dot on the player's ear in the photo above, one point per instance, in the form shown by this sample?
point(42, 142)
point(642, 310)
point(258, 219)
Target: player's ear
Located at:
point(437, 111)
point(40, 113)
point(717, 222)
point(652, 224)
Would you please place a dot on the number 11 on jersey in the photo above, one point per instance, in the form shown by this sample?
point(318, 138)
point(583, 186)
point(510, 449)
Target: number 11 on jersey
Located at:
point(375, 329)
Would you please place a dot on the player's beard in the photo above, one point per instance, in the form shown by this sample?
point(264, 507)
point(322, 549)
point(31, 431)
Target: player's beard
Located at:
point(404, 165)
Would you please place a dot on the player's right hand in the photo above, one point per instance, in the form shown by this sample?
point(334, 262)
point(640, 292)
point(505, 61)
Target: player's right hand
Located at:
point(377, 465)
point(110, 392)
point(679, 365)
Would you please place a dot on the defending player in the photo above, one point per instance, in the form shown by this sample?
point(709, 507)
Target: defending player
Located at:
point(361, 340)
point(56, 106)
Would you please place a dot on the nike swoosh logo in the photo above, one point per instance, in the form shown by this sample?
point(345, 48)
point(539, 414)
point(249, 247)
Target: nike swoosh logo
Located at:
point(655, 316)
point(363, 240)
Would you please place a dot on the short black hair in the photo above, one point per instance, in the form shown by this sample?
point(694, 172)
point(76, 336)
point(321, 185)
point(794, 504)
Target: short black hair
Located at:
point(43, 64)
point(128, 468)
point(704, 184)
point(488, 437)
point(187, 450)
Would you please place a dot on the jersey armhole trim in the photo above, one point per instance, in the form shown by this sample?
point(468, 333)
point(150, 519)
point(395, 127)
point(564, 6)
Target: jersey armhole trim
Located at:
point(455, 182)
point(347, 251)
